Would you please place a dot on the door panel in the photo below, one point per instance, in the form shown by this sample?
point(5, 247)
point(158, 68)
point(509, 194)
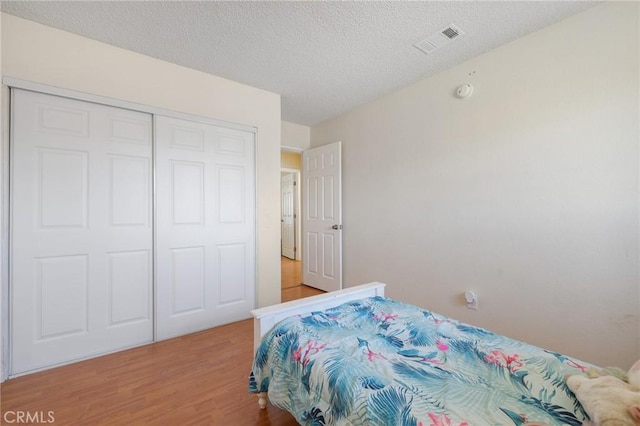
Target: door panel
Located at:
point(128, 287)
point(62, 197)
point(232, 259)
point(205, 248)
point(81, 233)
point(322, 217)
point(129, 183)
point(230, 187)
point(187, 192)
point(62, 276)
point(188, 284)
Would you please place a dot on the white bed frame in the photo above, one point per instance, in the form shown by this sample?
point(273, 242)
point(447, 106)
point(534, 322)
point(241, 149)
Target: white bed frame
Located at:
point(265, 318)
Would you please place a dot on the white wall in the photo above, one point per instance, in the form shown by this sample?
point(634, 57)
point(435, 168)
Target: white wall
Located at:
point(295, 137)
point(37, 53)
point(527, 192)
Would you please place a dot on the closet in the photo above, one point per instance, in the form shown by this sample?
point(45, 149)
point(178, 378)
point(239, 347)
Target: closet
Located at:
point(126, 227)
point(205, 251)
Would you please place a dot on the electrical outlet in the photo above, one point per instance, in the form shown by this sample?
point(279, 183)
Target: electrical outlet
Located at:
point(472, 300)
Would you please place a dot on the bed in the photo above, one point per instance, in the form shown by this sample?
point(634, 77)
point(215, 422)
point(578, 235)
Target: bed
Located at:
point(354, 357)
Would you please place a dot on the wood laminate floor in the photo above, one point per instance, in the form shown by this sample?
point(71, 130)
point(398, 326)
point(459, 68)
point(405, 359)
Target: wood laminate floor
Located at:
point(291, 272)
point(198, 379)
point(292, 287)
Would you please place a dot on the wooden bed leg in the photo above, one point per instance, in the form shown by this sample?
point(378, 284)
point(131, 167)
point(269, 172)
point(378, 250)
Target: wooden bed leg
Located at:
point(262, 400)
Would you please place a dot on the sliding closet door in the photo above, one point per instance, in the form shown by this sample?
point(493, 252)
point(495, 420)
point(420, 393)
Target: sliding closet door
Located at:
point(81, 230)
point(205, 226)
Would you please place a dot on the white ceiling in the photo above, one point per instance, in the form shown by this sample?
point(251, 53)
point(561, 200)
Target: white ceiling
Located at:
point(324, 58)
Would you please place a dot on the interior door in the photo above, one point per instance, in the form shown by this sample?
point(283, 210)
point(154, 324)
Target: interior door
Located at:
point(287, 221)
point(205, 226)
point(81, 230)
point(322, 217)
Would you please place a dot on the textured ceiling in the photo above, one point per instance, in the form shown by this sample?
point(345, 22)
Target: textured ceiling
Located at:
point(324, 58)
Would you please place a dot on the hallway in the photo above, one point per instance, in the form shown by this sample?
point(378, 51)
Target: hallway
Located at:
point(292, 287)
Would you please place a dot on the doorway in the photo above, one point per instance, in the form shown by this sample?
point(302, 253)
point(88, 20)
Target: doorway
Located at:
point(321, 195)
point(291, 272)
point(291, 235)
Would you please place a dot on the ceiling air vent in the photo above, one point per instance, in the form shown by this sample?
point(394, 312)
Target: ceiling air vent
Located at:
point(451, 32)
point(439, 39)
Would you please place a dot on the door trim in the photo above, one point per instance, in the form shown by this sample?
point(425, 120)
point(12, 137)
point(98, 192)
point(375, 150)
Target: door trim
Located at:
point(4, 231)
point(291, 149)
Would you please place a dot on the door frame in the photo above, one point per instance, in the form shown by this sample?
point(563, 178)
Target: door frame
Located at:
point(5, 99)
point(297, 210)
point(5, 208)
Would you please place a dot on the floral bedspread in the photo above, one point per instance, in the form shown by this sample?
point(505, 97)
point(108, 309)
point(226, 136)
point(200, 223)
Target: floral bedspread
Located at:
point(376, 361)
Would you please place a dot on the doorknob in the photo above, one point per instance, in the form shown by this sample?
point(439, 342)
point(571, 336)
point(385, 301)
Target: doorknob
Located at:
point(336, 227)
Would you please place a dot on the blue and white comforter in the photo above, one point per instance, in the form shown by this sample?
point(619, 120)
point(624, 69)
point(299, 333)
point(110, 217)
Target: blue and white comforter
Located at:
point(376, 361)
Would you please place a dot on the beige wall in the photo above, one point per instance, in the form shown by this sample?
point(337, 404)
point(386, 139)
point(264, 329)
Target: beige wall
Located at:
point(527, 192)
point(295, 136)
point(37, 53)
point(291, 160)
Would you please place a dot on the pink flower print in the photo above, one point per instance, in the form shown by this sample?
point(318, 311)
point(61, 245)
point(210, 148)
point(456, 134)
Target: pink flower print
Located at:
point(441, 421)
point(431, 361)
point(512, 362)
point(436, 320)
point(367, 350)
point(442, 345)
point(297, 354)
point(492, 358)
point(436, 421)
point(384, 317)
point(372, 355)
point(574, 364)
point(303, 353)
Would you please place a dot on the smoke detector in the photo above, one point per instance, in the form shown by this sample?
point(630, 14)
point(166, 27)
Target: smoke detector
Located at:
point(439, 39)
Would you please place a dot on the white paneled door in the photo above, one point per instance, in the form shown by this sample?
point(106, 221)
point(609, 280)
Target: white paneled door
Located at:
point(322, 217)
point(81, 230)
point(205, 214)
point(287, 198)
